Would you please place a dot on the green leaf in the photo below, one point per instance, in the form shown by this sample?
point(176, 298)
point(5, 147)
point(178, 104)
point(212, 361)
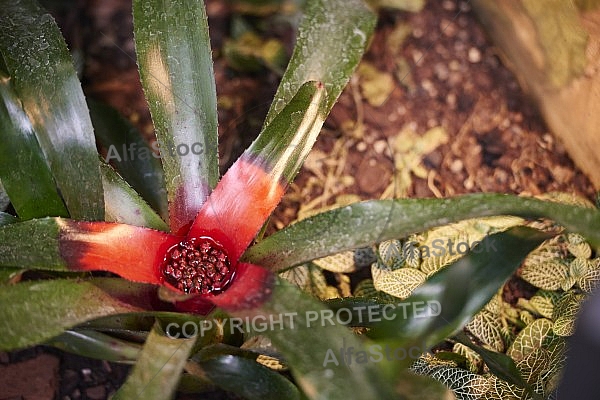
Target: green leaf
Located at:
point(460, 290)
point(40, 65)
point(6, 219)
point(124, 205)
point(56, 305)
point(130, 154)
point(175, 62)
point(237, 371)
point(157, 371)
point(331, 40)
point(25, 175)
point(18, 248)
point(363, 224)
point(499, 364)
point(93, 344)
point(284, 144)
point(310, 346)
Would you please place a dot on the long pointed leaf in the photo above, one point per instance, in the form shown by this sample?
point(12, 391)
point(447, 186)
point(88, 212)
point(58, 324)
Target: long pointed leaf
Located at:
point(131, 155)
point(31, 244)
point(307, 344)
point(365, 223)
point(55, 305)
point(158, 368)
point(96, 345)
point(284, 144)
point(237, 371)
point(124, 205)
point(38, 61)
point(23, 169)
point(253, 186)
point(499, 364)
point(174, 57)
point(331, 40)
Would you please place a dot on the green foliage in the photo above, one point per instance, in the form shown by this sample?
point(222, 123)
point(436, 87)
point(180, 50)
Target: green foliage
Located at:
point(564, 268)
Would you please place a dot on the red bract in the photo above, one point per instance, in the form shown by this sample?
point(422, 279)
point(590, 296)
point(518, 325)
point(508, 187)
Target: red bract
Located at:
point(204, 262)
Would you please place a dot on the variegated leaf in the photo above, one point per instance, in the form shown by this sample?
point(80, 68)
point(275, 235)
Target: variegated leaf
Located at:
point(440, 246)
point(534, 364)
point(399, 283)
point(411, 253)
point(494, 305)
point(465, 385)
point(579, 267)
point(565, 313)
point(474, 360)
point(366, 289)
point(432, 264)
point(501, 390)
point(542, 303)
point(590, 280)
point(427, 363)
point(529, 339)
point(310, 279)
point(526, 317)
point(567, 198)
point(544, 267)
point(577, 246)
point(390, 253)
point(271, 362)
point(487, 328)
point(340, 262)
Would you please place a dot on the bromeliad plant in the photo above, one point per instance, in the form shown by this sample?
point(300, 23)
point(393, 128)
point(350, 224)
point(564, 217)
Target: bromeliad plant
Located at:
point(75, 216)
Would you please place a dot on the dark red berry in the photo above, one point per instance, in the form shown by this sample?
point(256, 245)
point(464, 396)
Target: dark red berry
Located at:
point(198, 265)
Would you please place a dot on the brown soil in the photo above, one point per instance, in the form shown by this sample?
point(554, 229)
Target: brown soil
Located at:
point(445, 73)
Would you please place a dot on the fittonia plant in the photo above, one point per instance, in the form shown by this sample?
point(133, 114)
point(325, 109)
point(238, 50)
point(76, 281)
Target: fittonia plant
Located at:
point(72, 217)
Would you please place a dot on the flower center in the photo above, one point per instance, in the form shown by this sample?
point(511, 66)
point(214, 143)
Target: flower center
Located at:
point(198, 265)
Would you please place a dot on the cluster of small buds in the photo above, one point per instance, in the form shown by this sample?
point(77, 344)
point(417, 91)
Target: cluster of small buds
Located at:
point(198, 265)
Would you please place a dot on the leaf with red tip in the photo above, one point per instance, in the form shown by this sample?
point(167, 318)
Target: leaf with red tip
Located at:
point(331, 40)
point(122, 204)
point(251, 287)
point(253, 186)
point(237, 208)
point(132, 252)
point(175, 63)
point(32, 312)
point(307, 343)
point(362, 224)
